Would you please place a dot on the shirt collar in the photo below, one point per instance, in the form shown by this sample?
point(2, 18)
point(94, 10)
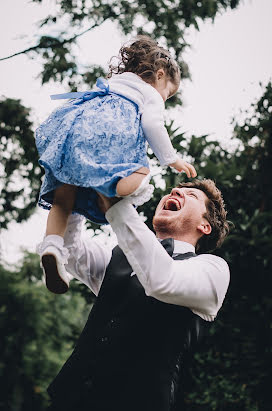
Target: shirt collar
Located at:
point(181, 247)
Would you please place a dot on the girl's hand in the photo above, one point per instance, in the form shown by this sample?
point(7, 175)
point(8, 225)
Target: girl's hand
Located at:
point(181, 165)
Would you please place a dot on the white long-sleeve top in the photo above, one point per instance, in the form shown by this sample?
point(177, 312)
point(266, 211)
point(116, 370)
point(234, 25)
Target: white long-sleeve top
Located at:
point(199, 283)
point(151, 108)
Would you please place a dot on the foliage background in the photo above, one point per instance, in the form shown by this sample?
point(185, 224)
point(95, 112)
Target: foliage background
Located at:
point(232, 369)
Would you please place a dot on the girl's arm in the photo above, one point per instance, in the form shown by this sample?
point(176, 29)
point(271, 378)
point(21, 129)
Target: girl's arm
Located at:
point(157, 136)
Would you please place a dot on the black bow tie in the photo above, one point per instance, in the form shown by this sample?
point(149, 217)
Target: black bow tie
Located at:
point(168, 244)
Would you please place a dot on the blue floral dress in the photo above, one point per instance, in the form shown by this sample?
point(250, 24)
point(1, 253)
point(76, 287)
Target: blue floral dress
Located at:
point(91, 142)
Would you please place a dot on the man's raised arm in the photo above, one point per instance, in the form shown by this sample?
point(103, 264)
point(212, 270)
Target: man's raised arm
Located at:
point(198, 283)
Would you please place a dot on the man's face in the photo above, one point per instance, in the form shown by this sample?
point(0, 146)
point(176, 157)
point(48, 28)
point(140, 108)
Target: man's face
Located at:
point(180, 214)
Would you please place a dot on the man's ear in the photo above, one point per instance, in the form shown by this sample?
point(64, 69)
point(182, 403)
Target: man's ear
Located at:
point(205, 227)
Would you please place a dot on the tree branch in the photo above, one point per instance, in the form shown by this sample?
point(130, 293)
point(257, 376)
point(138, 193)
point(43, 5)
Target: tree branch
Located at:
point(40, 46)
point(20, 52)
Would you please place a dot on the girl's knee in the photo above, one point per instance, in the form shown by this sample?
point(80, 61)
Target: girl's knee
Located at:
point(128, 185)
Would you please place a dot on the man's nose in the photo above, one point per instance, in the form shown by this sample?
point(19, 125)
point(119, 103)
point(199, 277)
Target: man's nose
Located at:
point(177, 192)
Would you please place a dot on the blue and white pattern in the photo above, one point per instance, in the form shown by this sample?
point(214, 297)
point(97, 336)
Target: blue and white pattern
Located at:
point(90, 142)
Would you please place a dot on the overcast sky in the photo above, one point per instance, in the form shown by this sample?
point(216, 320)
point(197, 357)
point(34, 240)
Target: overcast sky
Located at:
point(227, 61)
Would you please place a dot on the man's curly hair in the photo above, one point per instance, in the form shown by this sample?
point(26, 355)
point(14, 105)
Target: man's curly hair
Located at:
point(216, 215)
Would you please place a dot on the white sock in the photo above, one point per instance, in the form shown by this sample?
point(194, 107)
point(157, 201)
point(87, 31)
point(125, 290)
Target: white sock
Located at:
point(54, 239)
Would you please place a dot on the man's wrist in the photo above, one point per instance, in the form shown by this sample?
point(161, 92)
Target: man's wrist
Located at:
point(122, 210)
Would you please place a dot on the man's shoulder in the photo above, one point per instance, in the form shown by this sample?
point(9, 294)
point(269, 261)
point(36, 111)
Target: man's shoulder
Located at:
point(211, 257)
point(214, 260)
point(217, 270)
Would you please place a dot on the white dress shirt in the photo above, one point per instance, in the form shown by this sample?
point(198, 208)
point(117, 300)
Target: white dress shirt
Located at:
point(151, 108)
point(199, 283)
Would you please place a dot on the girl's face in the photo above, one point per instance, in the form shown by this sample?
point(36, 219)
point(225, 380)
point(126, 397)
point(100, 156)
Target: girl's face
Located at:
point(164, 86)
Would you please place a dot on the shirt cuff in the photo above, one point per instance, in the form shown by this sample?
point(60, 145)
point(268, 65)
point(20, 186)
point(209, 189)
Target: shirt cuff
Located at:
point(120, 211)
point(170, 159)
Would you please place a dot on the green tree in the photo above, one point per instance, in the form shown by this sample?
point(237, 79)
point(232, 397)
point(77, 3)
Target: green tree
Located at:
point(38, 331)
point(20, 174)
point(233, 371)
point(167, 20)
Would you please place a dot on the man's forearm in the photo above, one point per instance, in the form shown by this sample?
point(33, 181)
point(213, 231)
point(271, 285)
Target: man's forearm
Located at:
point(137, 242)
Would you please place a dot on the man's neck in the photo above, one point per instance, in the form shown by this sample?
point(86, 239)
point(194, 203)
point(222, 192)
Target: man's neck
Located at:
point(184, 238)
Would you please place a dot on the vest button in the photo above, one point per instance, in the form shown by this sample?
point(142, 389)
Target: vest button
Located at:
point(88, 383)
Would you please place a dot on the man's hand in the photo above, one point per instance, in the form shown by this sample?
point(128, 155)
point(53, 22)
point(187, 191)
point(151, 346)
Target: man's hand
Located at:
point(105, 203)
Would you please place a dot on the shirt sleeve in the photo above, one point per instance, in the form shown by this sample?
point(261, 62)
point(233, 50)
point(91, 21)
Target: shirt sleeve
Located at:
point(155, 132)
point(199, 283)
point(88, 259)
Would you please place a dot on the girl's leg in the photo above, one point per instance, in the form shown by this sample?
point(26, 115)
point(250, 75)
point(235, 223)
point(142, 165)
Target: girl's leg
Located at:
point(128, 185)
point(62, 207)
point(53, 253)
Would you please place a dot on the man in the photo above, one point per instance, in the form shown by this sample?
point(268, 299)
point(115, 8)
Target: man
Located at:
point(154, 298)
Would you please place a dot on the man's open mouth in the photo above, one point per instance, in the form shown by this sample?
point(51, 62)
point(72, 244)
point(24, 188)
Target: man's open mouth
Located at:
point(172, 204)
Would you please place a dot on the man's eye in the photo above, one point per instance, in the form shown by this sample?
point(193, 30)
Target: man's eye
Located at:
point(193, 194)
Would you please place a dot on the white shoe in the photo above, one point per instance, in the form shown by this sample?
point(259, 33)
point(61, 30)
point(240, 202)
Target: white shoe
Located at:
point(53, 260)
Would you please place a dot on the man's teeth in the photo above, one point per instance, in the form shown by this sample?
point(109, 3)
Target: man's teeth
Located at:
point(172, 204)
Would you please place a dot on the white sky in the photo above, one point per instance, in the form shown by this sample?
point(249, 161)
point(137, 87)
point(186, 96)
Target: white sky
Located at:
point(228, 60)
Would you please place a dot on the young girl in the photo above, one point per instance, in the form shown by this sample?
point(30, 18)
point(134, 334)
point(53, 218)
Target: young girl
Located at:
point(97, 143)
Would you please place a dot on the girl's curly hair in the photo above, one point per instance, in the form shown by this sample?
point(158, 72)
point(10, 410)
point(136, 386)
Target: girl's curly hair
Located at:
point(145, 57)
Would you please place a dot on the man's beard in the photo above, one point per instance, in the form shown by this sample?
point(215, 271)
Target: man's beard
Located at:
point(171, 226)
point(164, 225)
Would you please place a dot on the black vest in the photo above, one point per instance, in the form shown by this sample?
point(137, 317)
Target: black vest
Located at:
point(130, 354)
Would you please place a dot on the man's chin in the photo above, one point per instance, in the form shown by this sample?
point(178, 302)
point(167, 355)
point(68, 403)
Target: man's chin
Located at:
point(163, 221)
